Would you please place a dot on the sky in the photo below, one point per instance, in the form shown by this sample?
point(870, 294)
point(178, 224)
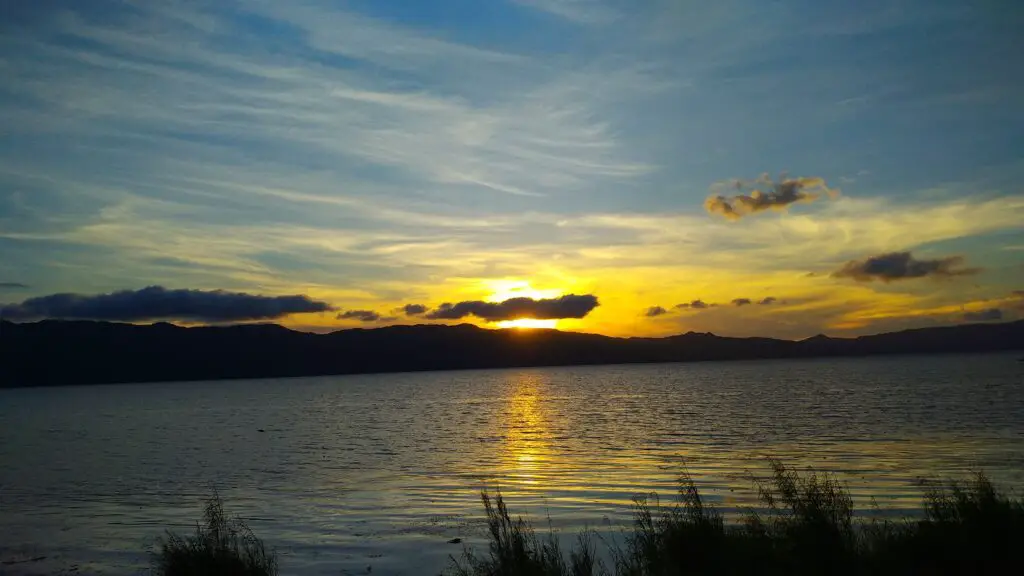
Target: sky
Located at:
point(630, 168)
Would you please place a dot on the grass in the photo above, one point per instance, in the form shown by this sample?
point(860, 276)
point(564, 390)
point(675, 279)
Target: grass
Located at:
point(220, 546)
point(805, 524)
point(515, 549)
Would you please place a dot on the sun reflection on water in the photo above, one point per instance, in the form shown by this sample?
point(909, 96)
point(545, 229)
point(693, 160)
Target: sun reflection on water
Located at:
point(527, 448)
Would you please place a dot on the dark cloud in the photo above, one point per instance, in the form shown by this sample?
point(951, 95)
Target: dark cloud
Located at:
point(766, 194)
point(655, 311)
point(902, 266)
point(990, 315)
point(1018, 293)
point(768, 301)
point(361, 315)
point(569, 306)
point(159, 303)
point(414, 309)
point(741, 302)
point(12, 285)
point(695, 305)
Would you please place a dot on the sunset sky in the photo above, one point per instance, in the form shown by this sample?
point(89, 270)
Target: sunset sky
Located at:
point(636, 167)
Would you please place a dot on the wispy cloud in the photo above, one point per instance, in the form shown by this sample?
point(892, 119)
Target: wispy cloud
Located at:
point(536, 140)
point(581, 11)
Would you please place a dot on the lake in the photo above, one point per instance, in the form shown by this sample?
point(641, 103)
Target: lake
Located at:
point(344, 474)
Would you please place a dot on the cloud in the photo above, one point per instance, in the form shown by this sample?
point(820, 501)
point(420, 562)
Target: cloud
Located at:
point(990, 315)
point(568, 306)
point(655, 311)
point(579, 11)
point(902, 266)
point(414, 309)
point(159, 303)
point(361, 315)
point(738, 302)
point(778, 197)
point(12, 285)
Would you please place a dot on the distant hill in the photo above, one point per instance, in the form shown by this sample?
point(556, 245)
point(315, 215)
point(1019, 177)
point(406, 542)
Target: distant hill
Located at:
point(55, 352)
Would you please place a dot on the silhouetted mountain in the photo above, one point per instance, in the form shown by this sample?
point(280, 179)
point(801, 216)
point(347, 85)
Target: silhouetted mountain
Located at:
point(64, 352)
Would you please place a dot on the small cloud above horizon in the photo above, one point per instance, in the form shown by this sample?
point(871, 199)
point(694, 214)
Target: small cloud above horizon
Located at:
point(990, 315)
point(694, 305)
point(702, 305)
point(360, 315)
point(895, 266)
point(13, 286)
point(654, 311)
point(765, 194)
point(414, 309)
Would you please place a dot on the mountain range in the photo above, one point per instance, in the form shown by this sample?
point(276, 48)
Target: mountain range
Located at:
point(55, 352)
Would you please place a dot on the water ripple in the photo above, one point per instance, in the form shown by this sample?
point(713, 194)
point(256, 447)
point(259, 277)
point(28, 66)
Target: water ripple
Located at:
point(344, 473)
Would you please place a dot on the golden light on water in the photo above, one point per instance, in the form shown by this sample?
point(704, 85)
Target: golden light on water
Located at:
point(527, 446)
point(528, 323)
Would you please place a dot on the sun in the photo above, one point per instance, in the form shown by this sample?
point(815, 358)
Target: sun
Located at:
point(528, 323)
point(502, 290)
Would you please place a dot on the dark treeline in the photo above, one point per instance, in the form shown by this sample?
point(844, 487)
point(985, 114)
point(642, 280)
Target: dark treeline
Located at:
point(83, 352)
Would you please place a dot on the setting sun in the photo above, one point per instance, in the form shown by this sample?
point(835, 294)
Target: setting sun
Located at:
point(502, 290)
point(528, 323)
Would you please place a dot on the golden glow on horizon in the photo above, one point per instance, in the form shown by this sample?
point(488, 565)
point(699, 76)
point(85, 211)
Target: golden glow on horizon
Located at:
point(527, 323)
point(806, 304)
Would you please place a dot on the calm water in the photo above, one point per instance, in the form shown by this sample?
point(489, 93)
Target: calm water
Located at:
point(380, 471)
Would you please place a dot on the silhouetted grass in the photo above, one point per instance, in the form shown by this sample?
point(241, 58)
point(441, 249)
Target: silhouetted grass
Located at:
point(220, 546)
point(805, 525)
point(515, 549)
